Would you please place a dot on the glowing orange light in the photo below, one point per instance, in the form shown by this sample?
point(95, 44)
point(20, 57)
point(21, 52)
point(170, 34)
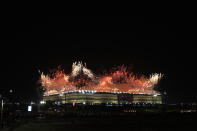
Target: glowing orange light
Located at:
point(81, 78)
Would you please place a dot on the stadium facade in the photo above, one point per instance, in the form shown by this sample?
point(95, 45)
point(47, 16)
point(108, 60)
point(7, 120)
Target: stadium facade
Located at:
point(102, 98)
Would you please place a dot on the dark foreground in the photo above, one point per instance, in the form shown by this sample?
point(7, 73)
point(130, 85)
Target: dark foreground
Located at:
point(100, 118)
point(135, 122)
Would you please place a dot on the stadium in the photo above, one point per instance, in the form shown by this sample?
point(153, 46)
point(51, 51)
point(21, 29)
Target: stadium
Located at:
point(82, 86)
point(103, 98)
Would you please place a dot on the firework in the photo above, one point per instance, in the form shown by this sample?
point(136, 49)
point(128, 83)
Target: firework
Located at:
point(82, 79)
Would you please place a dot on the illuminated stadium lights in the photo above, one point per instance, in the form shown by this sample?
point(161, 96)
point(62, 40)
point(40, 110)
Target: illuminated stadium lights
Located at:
point(61, 94)
point(42, 102)
point(99, 98)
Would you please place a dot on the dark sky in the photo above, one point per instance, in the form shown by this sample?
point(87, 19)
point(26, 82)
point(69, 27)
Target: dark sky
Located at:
point(147, 43)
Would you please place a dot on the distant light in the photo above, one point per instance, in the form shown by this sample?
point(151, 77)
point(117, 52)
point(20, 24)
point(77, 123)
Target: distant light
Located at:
point(11, 91)
point(42, 102)
point(58, 103)
point(155, 95)
point(29, 108)
point(61, 94)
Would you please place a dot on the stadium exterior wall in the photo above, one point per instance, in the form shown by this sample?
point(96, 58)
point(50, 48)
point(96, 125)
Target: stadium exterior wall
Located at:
point(99, 98)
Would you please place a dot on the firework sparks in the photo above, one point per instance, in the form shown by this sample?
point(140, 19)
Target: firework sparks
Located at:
point(82, 79)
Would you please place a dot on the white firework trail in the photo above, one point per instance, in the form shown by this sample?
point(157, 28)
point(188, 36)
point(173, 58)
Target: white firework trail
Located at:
point(76, 68)
point(154, 78)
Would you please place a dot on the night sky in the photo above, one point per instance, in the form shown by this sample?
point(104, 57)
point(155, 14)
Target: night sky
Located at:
point(147, 44)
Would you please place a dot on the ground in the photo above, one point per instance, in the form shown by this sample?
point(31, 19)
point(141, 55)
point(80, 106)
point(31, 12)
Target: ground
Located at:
point(143, 123)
